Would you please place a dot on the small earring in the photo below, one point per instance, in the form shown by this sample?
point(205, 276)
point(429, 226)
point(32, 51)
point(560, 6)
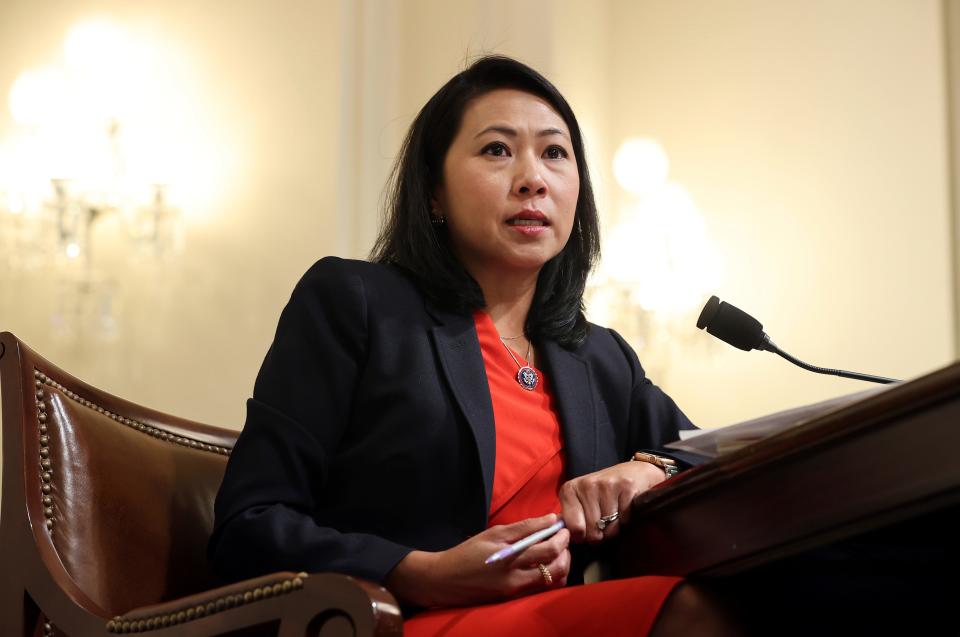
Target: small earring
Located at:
point(437, 219)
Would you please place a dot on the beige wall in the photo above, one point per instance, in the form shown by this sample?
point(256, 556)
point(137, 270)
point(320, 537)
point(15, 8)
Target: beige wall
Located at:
point(812, 134)
point(951, 16)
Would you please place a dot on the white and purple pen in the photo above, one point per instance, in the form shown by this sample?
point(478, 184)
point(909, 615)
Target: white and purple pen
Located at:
point(530, 540)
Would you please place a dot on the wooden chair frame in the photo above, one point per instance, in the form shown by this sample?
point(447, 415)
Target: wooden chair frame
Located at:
point(38, 596)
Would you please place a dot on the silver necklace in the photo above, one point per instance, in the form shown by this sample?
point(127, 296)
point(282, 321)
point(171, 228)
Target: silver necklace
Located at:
point(526, 376)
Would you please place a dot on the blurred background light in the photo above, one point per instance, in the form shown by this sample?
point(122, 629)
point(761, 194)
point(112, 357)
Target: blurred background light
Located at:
point(640, 165)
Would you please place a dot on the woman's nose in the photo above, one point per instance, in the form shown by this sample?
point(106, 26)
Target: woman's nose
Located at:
point(529, 180)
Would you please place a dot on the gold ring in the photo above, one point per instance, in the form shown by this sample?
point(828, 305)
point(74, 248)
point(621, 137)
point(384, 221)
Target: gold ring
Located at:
point(545, 572)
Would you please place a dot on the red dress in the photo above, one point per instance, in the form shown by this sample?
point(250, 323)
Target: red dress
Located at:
point(529, 470)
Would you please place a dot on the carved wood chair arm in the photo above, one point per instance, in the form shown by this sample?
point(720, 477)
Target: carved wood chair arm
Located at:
point(296, 601)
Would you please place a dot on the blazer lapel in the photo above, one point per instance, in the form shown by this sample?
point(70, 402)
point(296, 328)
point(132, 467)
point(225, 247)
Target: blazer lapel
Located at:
point(573, 390)
point(462, 364)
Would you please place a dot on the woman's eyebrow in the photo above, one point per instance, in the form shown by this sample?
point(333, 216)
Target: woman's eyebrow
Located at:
point(512, 132)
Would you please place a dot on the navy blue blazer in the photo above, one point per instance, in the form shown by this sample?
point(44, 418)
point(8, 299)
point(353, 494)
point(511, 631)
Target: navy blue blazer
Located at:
point(370, 432)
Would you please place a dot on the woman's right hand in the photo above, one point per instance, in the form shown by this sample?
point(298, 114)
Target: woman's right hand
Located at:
point(459, 576)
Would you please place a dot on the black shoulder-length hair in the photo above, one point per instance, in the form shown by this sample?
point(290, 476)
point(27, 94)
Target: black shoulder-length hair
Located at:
point(410, 241)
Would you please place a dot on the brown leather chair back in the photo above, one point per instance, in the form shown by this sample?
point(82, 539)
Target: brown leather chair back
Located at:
point(119, 498)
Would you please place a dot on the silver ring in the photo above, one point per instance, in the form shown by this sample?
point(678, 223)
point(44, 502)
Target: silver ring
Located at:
point(607, 520)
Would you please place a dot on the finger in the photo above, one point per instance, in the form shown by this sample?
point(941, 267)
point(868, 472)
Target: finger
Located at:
point(518, 530)
point(626, 503)
point(559, 570)
point(555, 545)
point(614, 493)
point(544, 552)
point(567, 558)
point(561, 565)
point(590, 501)
point(609, 488)
point(572, 512)
point(620, 507)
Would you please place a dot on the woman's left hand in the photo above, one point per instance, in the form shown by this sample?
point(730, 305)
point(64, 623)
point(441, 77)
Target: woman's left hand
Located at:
point(586, 499)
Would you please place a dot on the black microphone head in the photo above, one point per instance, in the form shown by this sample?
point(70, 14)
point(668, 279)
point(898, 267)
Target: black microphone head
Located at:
point(709, 311)
point(731, 325)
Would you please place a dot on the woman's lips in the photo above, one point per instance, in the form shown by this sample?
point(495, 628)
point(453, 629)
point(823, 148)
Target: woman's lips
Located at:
point(527, 222)
point(530, 229)
point(529, 218)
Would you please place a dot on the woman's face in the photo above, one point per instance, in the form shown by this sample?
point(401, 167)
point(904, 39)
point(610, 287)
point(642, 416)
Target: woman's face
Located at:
point(510, 184)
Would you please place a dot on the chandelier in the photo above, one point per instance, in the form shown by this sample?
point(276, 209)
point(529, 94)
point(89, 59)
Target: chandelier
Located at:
point(74, 186)
point(659, 261)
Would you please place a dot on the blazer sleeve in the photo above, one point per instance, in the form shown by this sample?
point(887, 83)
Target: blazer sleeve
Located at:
point(655, 419)
point(266, 512)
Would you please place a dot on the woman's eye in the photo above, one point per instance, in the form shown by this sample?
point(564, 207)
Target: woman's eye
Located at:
point(497, 149)
point(556, 152)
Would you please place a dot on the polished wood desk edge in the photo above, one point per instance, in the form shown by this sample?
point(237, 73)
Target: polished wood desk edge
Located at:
point(707, 520)
point(849, 420)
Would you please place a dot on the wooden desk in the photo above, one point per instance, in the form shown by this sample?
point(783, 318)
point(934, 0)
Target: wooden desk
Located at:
point(886, 459)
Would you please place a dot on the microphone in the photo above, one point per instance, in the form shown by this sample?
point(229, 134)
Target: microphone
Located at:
point(734, 326)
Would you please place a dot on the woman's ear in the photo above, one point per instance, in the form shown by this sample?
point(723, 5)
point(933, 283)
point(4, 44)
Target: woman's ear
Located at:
point(436, 212)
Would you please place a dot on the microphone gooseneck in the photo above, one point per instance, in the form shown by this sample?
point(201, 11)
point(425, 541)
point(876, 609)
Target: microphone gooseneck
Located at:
point(734, 326)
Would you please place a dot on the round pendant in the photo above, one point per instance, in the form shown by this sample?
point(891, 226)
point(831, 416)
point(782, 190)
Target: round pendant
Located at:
point(527, 377)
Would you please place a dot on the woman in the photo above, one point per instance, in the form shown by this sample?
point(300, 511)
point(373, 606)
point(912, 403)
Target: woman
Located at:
point(417, 413)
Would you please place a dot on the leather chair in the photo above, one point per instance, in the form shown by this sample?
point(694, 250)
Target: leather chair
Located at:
point(106, 511)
